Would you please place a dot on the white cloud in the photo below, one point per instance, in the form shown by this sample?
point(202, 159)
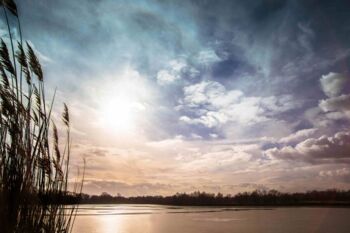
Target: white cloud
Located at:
point(317, 150)
point(210, 119)
point(177, 65)
point(335, 107)
point(338, 172)
point(176, 69)
point(333, 83)
point(212, 105)
point(336, 104)
point(332, 109)
point(196, 136)
point(164, 77)
point(298, 136)
point(210, 93)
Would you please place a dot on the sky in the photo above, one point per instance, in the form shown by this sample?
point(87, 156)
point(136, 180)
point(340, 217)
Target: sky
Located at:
point(222, 96)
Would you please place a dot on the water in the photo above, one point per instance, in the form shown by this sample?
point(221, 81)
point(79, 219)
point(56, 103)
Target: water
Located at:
point(171, 219)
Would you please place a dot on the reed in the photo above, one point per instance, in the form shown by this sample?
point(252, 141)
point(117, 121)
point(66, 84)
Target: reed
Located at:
point(33, 169)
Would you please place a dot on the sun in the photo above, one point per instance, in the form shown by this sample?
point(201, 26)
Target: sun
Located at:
point(121, 102)
point(118, 114)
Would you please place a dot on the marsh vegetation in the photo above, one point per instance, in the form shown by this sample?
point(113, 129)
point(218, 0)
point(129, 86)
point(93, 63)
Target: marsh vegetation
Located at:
point(34, 165)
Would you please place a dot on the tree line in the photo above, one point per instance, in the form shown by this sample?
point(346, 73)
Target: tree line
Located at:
point(256, 198)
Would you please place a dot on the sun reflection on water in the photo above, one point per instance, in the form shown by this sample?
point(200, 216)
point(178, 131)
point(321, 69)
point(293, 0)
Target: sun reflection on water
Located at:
point(111, 224)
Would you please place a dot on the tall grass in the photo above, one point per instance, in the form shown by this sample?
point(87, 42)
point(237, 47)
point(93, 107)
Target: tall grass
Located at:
point(34, 165)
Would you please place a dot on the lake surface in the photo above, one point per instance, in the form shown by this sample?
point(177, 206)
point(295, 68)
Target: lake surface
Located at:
point(172, 219)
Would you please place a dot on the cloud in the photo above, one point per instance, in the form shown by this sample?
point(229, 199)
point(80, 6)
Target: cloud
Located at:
point(298, 136)
point(113, 187)
point(334, 108)
point(173, 73)
point(176, 70)
point(173, 142)
point(336, 104)
point(207, 57)
point(305, 38)
point(209, 93)
point(212, 105)
point(333, 83)
point(210, 119)
point(335, 149)
point(338, 172)
point(164, 77)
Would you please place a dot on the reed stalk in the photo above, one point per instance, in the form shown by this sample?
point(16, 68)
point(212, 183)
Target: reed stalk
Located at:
point(33, 170)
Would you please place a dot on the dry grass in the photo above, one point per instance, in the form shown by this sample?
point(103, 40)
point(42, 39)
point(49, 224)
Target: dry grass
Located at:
point(33, 169)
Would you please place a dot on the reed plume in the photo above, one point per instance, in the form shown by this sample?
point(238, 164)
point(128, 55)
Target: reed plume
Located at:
point(33, 170)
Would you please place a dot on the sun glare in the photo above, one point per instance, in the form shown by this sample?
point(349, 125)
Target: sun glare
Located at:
point(121, 102)
point(118, 114)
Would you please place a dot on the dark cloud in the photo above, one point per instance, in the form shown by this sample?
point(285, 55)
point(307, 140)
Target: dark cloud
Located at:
point(266, 9)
